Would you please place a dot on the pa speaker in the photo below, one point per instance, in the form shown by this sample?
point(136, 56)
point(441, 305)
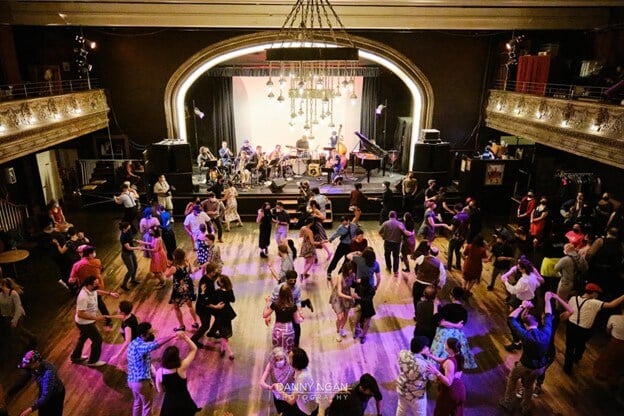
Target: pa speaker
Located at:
point(277, 185)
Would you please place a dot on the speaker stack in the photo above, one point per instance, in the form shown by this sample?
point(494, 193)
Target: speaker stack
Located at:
point(432, 158)
point(173, 160)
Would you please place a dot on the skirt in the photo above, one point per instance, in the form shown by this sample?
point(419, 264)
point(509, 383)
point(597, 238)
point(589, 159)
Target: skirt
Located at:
point(442, 334)
point(340, 305)
point(283, 335)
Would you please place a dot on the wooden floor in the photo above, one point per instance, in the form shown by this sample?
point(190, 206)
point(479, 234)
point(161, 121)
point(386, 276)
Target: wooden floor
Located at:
point(220, 385)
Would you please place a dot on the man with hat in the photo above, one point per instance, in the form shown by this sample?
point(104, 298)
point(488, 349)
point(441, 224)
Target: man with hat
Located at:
point(580, 322)
point(413, 377)
point(51, 388)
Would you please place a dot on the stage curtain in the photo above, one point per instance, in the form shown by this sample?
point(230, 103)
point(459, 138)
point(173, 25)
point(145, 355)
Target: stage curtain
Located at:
point(221, 113)
point(532, 75)
point(370, 96)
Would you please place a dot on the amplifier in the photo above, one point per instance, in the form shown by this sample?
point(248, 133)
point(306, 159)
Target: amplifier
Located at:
point(314, 169)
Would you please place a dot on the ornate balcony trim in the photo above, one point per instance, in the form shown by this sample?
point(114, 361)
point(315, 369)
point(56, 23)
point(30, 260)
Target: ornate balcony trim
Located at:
point(30, 125)
point(589, 129)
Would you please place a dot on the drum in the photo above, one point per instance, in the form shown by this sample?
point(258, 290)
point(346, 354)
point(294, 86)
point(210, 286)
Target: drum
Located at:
point(298, 166)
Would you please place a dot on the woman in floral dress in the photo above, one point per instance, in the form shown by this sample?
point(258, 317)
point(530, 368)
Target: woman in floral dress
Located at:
point(231, 206)
point(183, 292)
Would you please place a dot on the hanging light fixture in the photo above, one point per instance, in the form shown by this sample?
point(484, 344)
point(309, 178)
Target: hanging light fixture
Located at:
point(311, 64)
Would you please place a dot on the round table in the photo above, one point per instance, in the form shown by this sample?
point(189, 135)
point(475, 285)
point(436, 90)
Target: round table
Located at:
point(12, 257)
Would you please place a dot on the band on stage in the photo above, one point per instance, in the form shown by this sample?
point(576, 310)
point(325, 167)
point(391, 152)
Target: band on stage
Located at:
point(254, 163)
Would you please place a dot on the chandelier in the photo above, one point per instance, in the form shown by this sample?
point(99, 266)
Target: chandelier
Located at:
point(311, 71)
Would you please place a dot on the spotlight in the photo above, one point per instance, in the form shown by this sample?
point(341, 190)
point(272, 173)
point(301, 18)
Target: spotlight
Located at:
point(514, 41)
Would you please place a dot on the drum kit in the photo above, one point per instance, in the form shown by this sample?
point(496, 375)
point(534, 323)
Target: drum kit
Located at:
point(296, 162)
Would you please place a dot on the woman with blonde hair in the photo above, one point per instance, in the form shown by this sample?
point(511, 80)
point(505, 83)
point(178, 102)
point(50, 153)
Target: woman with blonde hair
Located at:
point(231, 206)
point(278, 372)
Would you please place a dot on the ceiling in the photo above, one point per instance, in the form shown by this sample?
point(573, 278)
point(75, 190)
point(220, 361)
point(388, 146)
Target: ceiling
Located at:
point(355, 14)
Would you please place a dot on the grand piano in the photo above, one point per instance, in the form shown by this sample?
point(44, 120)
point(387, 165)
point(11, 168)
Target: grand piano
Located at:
point(368, 155)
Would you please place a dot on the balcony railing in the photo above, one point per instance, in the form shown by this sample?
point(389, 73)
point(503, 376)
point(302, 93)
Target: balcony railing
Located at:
point(47, 88)
point(592, 128)
point(563, 91)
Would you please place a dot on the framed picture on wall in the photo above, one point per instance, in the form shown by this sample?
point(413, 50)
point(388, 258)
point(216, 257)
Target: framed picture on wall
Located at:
point(494, 174)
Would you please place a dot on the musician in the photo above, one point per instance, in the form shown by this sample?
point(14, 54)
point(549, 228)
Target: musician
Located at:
point(247, 148)
point(259, 163)
point(302, 145)
point(205, 156)
point(226, 155)
point(333, 139)
point(275, 157)
point(241, 168)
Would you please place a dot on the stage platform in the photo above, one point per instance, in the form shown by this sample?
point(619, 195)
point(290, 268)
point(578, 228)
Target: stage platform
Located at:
point(249, 200)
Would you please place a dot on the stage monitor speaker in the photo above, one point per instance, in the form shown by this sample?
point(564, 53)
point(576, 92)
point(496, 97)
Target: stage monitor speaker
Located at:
point(182, 182)
point(314, 169)
point(277, 185)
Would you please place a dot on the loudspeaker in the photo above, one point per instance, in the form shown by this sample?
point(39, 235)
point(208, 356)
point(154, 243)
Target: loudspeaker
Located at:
point(9, 176)
point(314, 169)
point(182, 182)
point(430, 157)
point(181, 158)
point(277, 185)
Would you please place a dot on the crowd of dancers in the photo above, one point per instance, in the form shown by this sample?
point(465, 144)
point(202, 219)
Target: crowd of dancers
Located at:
point(552, 271)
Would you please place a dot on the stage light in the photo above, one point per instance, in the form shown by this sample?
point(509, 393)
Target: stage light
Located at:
point(379, 110)
point(514, 41)
point(198, 112)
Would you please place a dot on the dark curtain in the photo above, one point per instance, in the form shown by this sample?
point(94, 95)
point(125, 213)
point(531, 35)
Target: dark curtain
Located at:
point(212, 96)
point(221, 112)
point(370, 96)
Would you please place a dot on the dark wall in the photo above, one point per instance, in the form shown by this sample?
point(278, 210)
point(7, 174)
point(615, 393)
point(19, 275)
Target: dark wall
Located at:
point(136, 64)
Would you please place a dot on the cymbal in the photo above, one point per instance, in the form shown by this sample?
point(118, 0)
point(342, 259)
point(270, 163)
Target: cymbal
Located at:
point(329, 148)
point(289, 146)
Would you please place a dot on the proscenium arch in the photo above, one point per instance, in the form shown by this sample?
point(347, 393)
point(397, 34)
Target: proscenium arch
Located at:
point(213, 55)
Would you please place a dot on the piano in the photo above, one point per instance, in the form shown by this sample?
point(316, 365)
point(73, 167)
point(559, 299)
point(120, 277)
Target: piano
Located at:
point(369, 156)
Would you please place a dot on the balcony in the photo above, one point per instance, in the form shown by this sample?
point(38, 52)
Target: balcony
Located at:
point(581, 125)
point(36, 117)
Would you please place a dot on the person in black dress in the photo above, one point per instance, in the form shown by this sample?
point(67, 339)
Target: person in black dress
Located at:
point(205, 293)
point(171, 379)
point(223, 313)
point(265, 221)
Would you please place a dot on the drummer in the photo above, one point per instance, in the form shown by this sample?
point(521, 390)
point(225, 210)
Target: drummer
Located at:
point(303, 147)
point(333, 139)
